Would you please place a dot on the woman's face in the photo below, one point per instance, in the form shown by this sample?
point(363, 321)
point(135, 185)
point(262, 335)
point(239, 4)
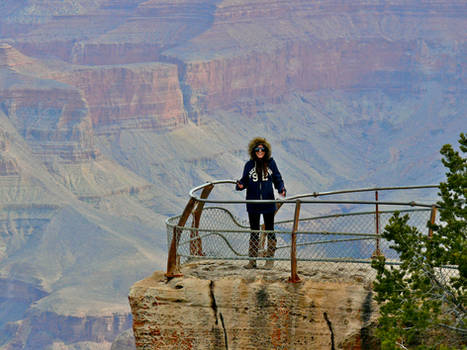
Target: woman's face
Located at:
point(260, 151)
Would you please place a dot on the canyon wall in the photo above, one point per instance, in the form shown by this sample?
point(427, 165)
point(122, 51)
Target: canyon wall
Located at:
point(302, 46)
point(132, 96)
point(310, 46)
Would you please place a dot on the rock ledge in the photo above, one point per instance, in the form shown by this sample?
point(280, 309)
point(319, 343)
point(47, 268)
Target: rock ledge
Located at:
point(220, 305)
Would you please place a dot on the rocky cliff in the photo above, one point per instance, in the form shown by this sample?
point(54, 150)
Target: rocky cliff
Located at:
point(218, 305)
point(132, 96)
point(301, 46)
point(307, 46)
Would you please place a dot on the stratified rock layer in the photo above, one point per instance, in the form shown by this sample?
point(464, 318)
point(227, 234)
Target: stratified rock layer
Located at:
point(223, 306)
point(145, 96)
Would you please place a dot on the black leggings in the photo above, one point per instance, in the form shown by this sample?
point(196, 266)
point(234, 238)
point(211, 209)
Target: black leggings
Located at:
point(254, 219)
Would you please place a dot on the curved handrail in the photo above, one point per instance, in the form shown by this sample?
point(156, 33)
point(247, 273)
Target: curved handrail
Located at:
point(316, 194)
point(293, 199)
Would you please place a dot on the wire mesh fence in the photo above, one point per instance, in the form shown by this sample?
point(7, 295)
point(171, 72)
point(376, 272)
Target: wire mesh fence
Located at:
point(349, 236)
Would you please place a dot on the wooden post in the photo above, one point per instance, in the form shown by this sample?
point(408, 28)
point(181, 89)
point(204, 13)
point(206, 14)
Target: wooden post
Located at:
point(293, 252)
point(432, 220)
point(172, 263)
point(196, 247)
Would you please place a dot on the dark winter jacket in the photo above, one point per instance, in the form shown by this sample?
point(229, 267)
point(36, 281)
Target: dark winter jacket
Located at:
point(261, 187)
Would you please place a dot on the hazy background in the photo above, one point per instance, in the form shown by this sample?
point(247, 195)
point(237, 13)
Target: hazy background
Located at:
point(112, 110)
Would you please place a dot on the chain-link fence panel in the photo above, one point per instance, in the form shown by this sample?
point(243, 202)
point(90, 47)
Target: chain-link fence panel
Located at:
point(220, 235)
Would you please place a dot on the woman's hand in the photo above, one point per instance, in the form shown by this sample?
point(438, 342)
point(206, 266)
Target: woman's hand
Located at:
point(283, 193)
point(239, 185)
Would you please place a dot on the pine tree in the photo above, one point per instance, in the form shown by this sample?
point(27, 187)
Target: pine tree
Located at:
point(422, 301)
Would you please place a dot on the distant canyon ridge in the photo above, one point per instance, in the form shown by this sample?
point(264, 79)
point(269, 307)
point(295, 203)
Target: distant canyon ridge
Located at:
point(111, 110)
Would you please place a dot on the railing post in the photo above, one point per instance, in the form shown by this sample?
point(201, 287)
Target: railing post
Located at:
point(432, 220)
point(172, 263)
point(377, 251)
point(196, 247)
point(293, 251)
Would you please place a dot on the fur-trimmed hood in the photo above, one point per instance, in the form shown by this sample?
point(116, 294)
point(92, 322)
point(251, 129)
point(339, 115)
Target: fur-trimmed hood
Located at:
point(256, 142)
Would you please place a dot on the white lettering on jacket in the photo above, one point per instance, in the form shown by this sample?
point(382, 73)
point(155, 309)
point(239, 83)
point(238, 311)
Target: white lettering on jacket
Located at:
point(254, 175)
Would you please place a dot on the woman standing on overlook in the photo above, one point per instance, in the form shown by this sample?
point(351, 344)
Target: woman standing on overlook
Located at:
point(259, 175)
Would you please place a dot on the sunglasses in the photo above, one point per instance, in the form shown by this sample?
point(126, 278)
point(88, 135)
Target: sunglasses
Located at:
point(260, 149)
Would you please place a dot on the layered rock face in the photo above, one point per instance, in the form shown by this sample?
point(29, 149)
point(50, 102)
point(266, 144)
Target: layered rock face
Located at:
point(52, 117)
point(302, 46)
point(134, 96)
point(114, 32)
point(221, 305)
point(90, 100)
point(328, 44)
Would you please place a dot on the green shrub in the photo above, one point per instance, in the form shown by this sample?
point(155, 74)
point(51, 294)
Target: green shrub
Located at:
point(422, 304)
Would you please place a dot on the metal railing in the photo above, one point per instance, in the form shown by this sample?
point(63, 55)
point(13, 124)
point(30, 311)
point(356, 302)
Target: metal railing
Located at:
point(208, 230)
